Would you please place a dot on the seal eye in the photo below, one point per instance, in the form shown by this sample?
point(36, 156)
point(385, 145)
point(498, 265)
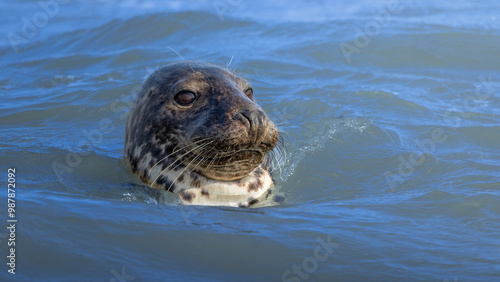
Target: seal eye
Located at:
point(185, 98)
point(249, 93)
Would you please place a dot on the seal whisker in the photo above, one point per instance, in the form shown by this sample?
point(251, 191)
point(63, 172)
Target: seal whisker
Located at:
point(279, 154)
point(187, 166)
point(179, 158)
point(173, 152)
point(193, 151)
point(211, 162)
point(230, 61)
point(282, 124)
point(280, 148)
point(190, 151)
point(234, 70)
point(203, 158)
point(181, 58)
point(168, 189)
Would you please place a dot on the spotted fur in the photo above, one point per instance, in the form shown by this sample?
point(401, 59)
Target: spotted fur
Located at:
point(214, 152)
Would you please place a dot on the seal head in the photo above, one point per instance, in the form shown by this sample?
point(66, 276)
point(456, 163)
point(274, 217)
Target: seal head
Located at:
point(196, 130)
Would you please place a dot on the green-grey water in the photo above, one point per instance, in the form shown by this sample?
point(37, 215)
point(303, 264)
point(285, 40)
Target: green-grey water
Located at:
point(389, 111)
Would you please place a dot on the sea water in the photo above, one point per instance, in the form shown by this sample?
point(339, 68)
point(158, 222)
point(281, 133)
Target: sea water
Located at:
point(389, 112)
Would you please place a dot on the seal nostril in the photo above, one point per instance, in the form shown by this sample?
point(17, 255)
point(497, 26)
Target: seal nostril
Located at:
point(256, 128)
point(247, 116)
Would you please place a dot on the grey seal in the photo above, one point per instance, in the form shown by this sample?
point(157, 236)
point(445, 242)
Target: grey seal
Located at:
point(196, 130)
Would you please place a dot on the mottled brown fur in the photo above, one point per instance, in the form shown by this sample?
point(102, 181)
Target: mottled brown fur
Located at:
point(220, 139)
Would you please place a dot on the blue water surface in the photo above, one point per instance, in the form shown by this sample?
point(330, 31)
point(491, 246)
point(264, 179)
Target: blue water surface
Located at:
point(389, 111)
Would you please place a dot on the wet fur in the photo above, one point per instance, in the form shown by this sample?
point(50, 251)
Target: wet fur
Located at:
point(214, 153)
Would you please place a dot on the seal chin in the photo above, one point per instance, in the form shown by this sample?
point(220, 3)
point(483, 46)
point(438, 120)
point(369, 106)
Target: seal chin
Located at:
point(233, 167)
